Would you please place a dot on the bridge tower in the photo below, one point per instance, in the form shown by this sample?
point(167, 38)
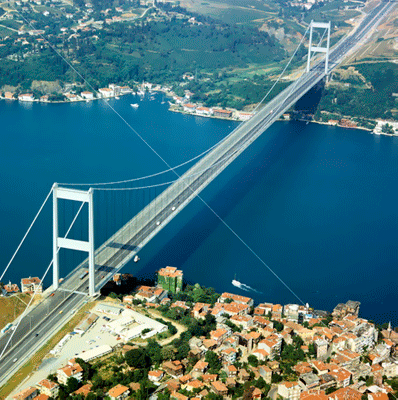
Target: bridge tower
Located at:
point(319, 49)
point(60, 242)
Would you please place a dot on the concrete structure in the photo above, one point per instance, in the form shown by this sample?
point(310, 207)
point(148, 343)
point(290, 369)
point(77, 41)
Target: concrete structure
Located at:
point(86, 324)
point(319, 49)
point(170, 278)
point(66, 243)
point(95, 353)
point(27, 394)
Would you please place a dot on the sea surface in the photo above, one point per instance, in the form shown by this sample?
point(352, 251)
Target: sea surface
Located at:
point(309, 213)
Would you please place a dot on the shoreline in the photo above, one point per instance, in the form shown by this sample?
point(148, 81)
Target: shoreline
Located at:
point(173, 108)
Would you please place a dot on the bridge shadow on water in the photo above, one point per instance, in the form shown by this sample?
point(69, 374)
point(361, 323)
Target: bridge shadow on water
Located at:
point(178, 243)
point(308, 104)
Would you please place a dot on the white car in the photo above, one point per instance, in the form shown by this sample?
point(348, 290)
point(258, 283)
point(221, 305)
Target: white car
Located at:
point(158, 223)
point(173, 208)
point(15, 360)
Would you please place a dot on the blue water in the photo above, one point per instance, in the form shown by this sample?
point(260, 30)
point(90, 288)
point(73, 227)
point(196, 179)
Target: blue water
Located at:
point(317, 204)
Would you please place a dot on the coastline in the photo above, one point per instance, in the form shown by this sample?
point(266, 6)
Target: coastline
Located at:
point(175, 108)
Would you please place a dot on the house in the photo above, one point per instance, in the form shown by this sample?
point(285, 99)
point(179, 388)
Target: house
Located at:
point(27, 394)
point(204, 111)
point(9, 95)
point(69, 371)
point(106, 92)
point(119, 392)
point(200, 367)
point(265, 372)
point(229, 355)
point(26, 97)
point(256, 394)
point(261, 354)
point(226, 297)
point(246, 321)
point(341, 375)
point(222, 113)
point(313, 395)
point(219, 335)
point(128, 299)
point(289, 390)
point(10, 288)
point(231, 370)
point(200, 310)
point(150, 294)
point(173, 368)
point(84, 390)
point(345, 393)
point(309, 381)
point(48, 388)
point(155, 376)
point(272, 345)
point(189, 108)
point(245, 116)
point(230, 309)
point(87, 95)
point(219, 388)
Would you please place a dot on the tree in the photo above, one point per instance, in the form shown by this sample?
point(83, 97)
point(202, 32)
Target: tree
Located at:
point(72, 384)
point(154, 351)
point(252, 360)
point(137, 358)
point(213, 360)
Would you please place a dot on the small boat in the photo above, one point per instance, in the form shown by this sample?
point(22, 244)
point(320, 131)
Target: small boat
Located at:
point(134, 105)
point(136, 258)
point(117, 97)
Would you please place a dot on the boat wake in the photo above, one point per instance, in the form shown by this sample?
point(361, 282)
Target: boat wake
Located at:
point(244, 287)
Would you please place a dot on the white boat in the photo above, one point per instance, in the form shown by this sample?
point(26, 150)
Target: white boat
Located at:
point(141, 93)
point(134, 105)
point(117, 97)
point(136, 258)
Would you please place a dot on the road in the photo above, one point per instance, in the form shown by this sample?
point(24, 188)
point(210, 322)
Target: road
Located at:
point(43, 320)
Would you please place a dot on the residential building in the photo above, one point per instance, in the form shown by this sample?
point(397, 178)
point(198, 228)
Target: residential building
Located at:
point(189, 108)
point(27, 394)
point(69, 371)
point(235, 298)
point(10, 288)
point(155, 376)
point(204, 111)
point(219, 388)
point(173, 368)
point(265, 372)
point(289, 390)
point(119, 392)
point(26, 97)
point(106, 92)
point(246, 321)
point(321, 347)
point(170, 278)
point(48, 388)
point(87, 95)
point(219, 335)
point(222, 113)
point(150, 294)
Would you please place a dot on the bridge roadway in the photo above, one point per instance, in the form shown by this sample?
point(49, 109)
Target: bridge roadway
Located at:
point(44, 319)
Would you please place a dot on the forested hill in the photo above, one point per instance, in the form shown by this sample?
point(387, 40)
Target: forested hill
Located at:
point(159, 48)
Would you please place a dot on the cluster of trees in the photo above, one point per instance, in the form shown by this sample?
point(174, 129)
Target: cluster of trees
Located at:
point(376, 102)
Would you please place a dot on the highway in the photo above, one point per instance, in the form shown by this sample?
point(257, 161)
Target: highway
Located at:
point(43, 320)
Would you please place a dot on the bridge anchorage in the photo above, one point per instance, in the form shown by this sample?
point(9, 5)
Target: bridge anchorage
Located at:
point(72, 244)
point(319, 49)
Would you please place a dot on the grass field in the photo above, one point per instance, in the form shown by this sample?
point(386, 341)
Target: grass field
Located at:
point(11, 307)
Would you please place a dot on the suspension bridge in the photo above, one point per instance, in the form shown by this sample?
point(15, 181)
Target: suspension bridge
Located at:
point(40, 322)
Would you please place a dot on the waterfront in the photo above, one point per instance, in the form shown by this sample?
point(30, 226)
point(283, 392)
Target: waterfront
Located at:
point(316, 203)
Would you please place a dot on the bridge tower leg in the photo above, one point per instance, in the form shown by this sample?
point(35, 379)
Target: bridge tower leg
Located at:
point(80, 245)
point(319, 49)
